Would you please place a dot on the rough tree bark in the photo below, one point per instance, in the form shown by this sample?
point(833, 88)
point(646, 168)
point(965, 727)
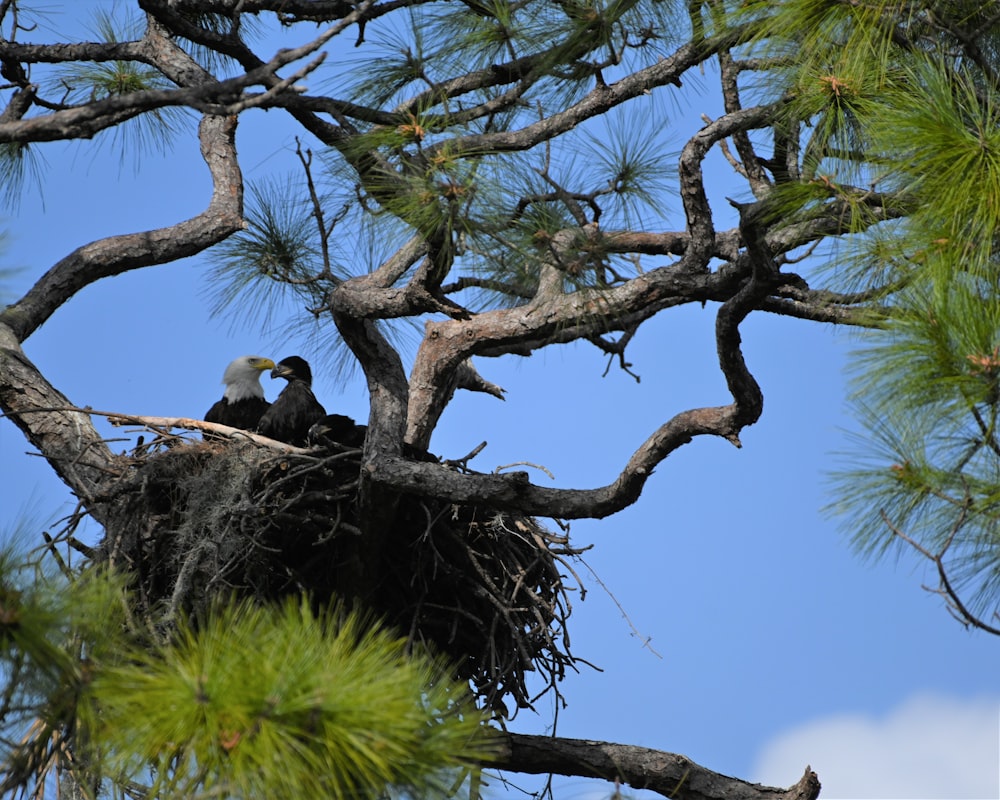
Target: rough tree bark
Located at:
point(671, 775)
point(741, 269)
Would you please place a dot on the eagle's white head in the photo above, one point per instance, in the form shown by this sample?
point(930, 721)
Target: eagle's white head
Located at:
point(242, 378)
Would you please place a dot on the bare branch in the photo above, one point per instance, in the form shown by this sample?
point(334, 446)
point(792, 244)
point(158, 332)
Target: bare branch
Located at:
point(947, 590)
point(673, 776)
point(118, 254)
point(163, 424)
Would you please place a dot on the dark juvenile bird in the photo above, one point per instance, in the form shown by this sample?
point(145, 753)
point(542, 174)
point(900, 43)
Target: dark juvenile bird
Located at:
point(242, 404)
point(296, 409)
point(337, 429)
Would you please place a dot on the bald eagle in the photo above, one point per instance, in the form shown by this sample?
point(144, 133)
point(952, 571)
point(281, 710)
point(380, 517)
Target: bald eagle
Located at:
point(337, 429)
point(242, 404)
point(296, 409)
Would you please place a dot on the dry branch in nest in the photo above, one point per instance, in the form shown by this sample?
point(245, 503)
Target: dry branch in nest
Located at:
point(197, 520)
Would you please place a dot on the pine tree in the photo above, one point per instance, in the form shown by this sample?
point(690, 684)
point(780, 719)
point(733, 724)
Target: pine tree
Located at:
point(500, 178)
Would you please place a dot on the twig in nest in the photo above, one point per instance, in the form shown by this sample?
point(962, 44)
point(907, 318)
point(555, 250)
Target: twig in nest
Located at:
point(497, 470)
point(635, 631)
point(463, 462)
point(161, 425)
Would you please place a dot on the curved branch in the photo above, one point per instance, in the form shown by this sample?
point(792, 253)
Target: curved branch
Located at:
point(514, 492)
point(673, 776)
point(388, 393)
point(117, 254)
point(598, 101)
point(67, 438)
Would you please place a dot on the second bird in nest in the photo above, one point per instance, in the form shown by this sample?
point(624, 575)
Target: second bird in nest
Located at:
point(296, 409)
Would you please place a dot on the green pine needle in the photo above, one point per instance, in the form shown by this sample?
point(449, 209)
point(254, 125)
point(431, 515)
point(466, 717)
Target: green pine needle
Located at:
point(21, 166)
point(83, 82)
point(940, 129)
point(927, 465)
point(282, 703)
point(272, 261)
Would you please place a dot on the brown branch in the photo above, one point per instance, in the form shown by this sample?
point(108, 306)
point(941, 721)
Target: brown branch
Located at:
point(820, 309)
point(117, 254)
point(513, 491)
point(388, 392)
point(162, 424)
point(751, 167)
point(81, 51)
point(67, 438)
point(959, 610)
point(673, 776)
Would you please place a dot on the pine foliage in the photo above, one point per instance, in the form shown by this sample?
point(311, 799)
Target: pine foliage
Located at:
point(243, 700)
point(485, 132)
point(907, 95)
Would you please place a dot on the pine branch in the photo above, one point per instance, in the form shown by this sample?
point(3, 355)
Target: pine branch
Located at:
point(673, 776)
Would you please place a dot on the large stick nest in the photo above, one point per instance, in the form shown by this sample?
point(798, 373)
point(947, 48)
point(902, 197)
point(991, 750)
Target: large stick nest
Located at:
point(200, 520)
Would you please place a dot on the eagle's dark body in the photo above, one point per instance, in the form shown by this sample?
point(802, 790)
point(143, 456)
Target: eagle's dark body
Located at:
point(243, 414)
point(337, 429)
point(296, 409)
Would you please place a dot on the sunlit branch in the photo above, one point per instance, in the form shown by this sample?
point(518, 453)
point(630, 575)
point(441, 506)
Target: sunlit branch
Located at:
point(117, 254)
point(673, 776)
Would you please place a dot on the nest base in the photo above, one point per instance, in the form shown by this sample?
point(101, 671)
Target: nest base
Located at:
point(195, 521)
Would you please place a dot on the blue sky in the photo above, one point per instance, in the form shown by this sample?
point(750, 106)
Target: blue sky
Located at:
point(776, 646)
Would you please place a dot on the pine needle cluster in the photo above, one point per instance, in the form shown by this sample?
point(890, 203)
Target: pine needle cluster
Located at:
point(281, 702)
point(905, 97)
point(926, 470)
point(243, 700)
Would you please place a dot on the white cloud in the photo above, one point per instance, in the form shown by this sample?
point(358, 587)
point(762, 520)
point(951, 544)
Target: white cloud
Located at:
point(930, 747)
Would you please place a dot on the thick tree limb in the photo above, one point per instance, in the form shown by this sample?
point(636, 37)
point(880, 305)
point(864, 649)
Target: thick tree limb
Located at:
point(673, 776)
point(514, 492)
point(80, 51)
point(67, 438)
point(118, 254)
point(388, 390)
